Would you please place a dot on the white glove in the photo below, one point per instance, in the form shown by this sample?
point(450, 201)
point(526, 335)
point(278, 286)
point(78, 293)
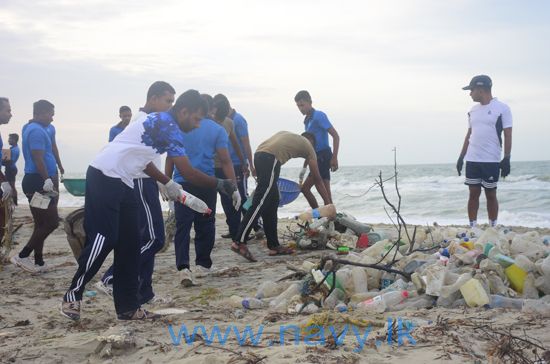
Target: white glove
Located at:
point(6, 190)
point(302, 175)
point(162, 190)
point(48, 185)
point(236, 196)
point(174, 191)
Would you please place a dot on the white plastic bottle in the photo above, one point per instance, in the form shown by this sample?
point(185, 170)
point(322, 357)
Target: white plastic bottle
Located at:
point(195, 203)
point(279, 302)
point(384, 301)
point(252, 303)
point(270, 289)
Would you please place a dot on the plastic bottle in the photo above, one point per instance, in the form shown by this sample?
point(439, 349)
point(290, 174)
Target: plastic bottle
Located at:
point(270, 289)
point(252, 303)
point(382, 302)
point(235, 301)
point(195, 203)
point(474, 294)
point(357, 227)
point(335, 297)
point(498, 301)
point(446, 291)
point(359, 277)
point(323, 211)
point(538, 307)
point(284, 297)
point(516, 276)
point(318, 223)
point(423, 301)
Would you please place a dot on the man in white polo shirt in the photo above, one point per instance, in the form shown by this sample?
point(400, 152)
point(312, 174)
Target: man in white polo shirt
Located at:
point(482, 147)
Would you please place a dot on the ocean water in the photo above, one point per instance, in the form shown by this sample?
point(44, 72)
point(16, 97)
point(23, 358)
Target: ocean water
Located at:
point(429, 193)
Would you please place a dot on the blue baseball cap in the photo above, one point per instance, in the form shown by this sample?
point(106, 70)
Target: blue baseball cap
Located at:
point(479, 81)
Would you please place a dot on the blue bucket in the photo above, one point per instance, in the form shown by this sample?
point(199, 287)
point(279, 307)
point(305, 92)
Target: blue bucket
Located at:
point(75, 186)
point(288, 191)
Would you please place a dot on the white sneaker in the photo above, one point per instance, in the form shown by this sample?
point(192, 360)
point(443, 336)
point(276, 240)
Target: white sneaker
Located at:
point(201, 272)
point(24, 263)
point(187, 278)
point(105, 288)
point(158, 300)
point(42, 268)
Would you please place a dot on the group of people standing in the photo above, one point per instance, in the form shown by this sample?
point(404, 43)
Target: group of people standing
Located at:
point(208, 151)
point(207, 147)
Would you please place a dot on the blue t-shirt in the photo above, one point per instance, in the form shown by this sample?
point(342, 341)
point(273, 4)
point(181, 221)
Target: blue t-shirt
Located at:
point(14, 154)
point(318, 125)
point(36, 137)
point(139, 144)
point(241, 130)
point(201, 145)
point(115, 130)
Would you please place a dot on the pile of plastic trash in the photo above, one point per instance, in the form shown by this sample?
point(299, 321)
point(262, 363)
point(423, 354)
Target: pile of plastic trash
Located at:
point(448, 267)
point(343, 231)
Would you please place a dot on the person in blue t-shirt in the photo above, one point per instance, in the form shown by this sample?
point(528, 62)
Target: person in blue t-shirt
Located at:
point(11, 163)
point(317, 123)
point(40, 168)
point(202, 145)
point(125, 114)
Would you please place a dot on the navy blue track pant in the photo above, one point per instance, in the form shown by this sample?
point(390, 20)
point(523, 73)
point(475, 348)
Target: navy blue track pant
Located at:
point(151, 230)
point(205, 228)
point(111, 223)
point(265, 202)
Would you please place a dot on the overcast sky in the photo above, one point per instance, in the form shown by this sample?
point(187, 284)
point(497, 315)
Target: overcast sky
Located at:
point(386, 73)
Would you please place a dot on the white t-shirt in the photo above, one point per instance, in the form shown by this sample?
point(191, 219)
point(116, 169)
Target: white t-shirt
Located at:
point(140, 143)
point(140, 118)
point(487, 123)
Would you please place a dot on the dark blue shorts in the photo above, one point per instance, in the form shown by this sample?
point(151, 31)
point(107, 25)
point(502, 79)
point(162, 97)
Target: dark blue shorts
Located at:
point(323, 162)
point(482, 174)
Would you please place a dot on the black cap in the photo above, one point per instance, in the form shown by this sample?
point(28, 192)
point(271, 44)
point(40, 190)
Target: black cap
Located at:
point(479, 81)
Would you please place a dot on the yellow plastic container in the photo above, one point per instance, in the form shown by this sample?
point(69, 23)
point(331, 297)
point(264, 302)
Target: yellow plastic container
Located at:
point(467, 244)
point(474, 294)
point(516, 276)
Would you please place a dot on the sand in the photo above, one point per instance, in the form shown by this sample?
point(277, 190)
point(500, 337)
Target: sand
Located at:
point(32, 330)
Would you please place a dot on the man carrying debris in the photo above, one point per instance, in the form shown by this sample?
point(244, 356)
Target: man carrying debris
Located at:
point(482, 147)
point(268, 159)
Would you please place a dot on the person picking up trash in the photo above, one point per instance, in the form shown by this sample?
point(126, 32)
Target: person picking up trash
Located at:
point(268, 159)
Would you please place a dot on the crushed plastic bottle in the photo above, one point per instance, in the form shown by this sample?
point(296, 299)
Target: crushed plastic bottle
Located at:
point(498, 301)
point(382, 302)
point(537, 307)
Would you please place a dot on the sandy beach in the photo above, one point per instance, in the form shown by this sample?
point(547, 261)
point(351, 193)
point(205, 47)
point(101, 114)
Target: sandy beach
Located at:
point(32, 330)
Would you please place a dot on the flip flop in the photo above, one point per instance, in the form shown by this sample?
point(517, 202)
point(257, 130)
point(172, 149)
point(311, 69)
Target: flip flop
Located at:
point(245, 254)
point(281, 250)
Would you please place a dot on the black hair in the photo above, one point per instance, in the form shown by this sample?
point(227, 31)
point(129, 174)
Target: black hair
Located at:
point(4, 99)
point(41, 106)
point(221, 104)
point(302, 95)
point(208, 101)
point(123, 109)
point(14, 136)
point(190, 100)
point(310, 137)
point(158, 88)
